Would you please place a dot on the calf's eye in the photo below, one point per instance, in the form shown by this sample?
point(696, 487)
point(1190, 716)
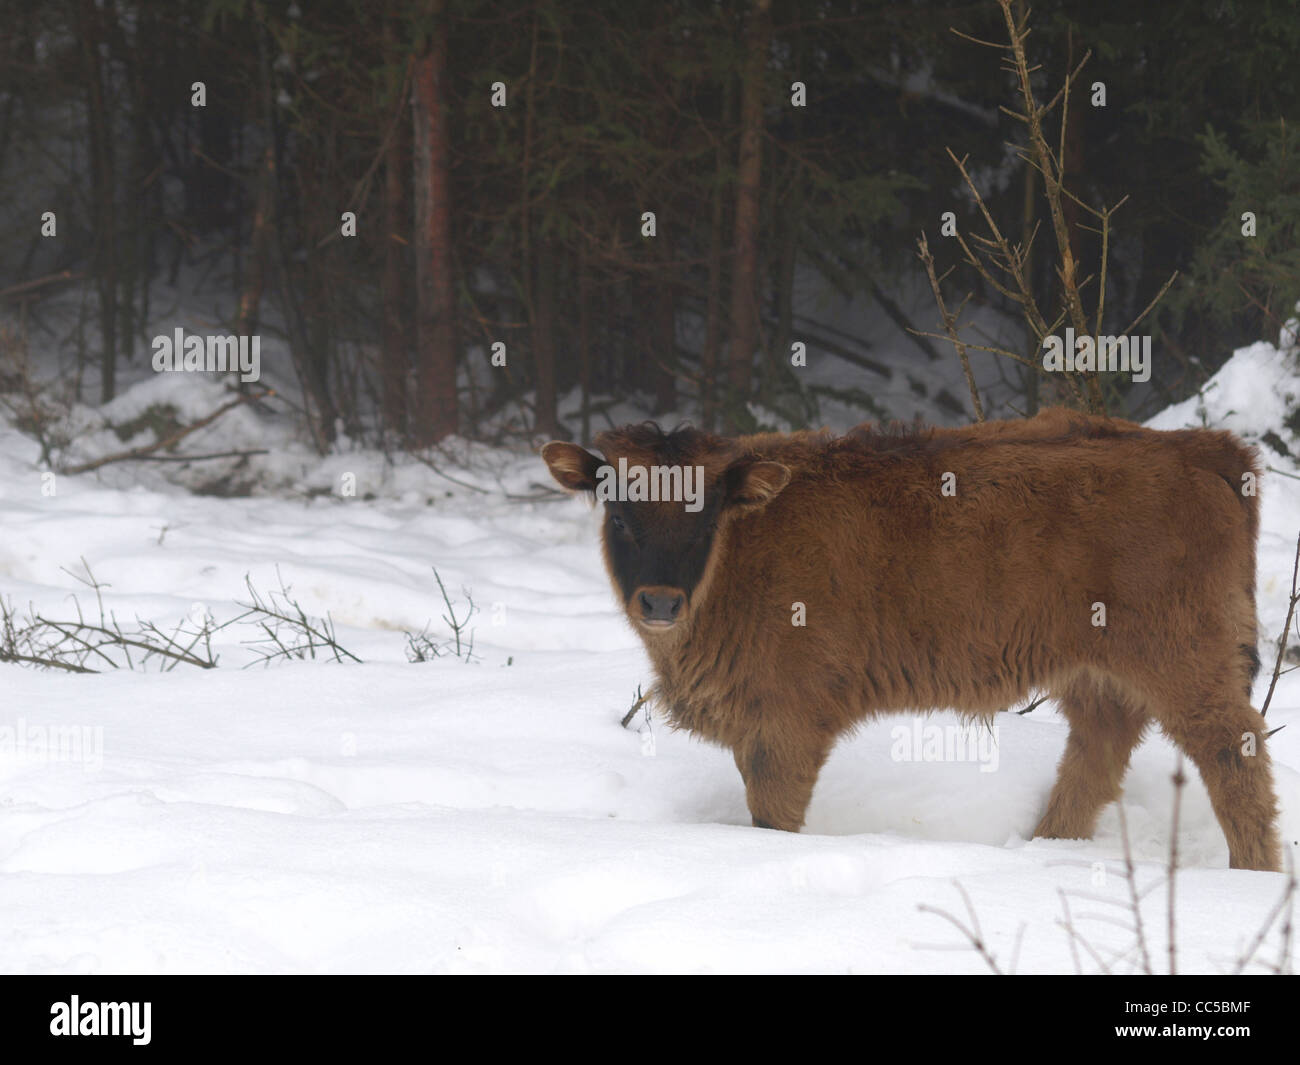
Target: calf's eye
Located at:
point(617, 523)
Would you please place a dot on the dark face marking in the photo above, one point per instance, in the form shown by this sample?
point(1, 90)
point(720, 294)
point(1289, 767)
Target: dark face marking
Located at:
point(658, 553)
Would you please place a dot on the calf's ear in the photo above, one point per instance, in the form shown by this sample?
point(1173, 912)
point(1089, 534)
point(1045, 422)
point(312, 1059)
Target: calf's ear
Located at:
point(574, 467)
point(755, 484)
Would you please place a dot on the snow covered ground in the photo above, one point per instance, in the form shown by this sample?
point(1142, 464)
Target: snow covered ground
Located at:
point(493, 816)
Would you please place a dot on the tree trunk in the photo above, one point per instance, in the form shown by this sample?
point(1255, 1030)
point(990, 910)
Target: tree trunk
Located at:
point(103, 193)
point(713, 307)
point(665, 334)
point(584, 341)
point(308, 365)
point(545, 421)
point(395, 339)
point(744, 278)
point(250, 293)
point(787, 259)
point(437, 414)
point(135, 275)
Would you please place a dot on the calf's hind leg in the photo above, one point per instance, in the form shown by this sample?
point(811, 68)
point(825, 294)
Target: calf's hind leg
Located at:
point(779, 777)
point(1104, 729)
point(1224, 737)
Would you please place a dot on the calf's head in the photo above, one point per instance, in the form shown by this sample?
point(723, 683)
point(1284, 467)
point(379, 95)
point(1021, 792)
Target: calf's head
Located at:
point(666, 497)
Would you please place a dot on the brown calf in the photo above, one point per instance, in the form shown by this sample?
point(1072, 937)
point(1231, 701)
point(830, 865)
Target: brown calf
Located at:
point(1109, 565)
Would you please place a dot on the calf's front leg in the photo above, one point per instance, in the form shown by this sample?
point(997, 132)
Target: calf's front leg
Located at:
point(779, 775)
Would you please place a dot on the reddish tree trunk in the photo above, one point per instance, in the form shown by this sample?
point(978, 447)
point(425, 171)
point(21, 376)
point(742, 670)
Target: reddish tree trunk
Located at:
point(436, 415)
point(395, 338)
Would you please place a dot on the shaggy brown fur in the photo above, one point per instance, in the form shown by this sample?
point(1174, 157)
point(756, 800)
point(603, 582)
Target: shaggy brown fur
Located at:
point(918, 601)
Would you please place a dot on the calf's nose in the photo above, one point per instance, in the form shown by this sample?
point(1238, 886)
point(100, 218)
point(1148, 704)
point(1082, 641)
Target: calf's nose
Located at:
point(660, 604)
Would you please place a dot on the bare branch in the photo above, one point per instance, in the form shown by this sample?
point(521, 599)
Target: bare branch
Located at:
point(1286, 629)
point(971, 932)
point(950, 324)
point(170, 439)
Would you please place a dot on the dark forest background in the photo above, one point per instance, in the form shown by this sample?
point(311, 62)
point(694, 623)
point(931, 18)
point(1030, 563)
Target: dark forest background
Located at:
point(523, 224)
